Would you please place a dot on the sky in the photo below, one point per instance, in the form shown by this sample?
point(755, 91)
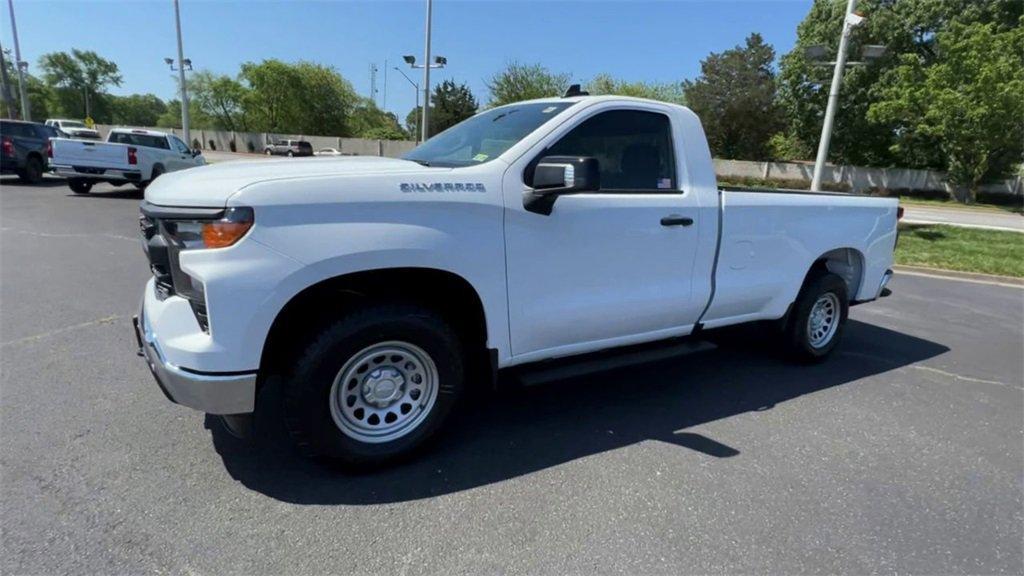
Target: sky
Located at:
point(632, 40)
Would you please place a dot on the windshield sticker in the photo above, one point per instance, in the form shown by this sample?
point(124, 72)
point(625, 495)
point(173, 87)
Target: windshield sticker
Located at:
point(480, 157)
point(664, 183)
point(549, 110)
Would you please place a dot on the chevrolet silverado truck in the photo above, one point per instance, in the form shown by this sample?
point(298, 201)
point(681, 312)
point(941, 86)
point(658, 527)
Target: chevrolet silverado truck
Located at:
point(543, 237)
point(129, 155)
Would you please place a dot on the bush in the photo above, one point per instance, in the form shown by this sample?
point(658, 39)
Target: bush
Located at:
point(232, 146)
point(195, 143)
point(250, 147)
point(791, 183)
point(213, 145)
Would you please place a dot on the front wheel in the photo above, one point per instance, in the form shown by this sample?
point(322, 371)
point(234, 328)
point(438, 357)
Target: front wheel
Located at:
point(818, 317)
point(375, 386)
point(79, 186)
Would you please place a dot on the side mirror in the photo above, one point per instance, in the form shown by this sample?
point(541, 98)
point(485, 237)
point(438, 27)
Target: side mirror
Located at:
point(196, 152)
point(558, 175)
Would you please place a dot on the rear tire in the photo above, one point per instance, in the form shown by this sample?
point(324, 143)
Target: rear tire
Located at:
point(79, 186)
point(815, 324)
point(290, 154)
point(32, 173)
point(375, 386)
point(268, 152)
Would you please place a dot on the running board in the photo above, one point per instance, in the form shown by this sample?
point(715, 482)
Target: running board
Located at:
point(575, 366)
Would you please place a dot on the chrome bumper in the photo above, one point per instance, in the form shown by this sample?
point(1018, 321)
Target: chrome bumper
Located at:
point(210, 393)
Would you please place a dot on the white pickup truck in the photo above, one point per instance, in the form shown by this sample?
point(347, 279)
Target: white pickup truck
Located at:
point(553, 236)
point(129, 155)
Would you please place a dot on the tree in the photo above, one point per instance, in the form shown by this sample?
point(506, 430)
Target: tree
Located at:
point(369, 121)
point(905, 27)
point(40, 97)
point(197, 118)
point(412, 122)
point(302, 98)
point(221, 98)
point(969, 100)
point(735, 99)
point(451, 103)
point(519, 82)
point(137, 109)
point(81, 78)
point(668, 92)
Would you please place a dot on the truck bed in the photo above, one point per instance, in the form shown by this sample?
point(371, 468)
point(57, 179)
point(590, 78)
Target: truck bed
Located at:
point(86, 154)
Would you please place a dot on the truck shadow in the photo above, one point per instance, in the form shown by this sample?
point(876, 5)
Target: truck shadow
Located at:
point(506, 434)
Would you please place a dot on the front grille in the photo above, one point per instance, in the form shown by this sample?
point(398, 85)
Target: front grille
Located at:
point(159, 254)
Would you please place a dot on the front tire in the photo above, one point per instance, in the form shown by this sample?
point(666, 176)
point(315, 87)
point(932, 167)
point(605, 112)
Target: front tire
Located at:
point(819, 314)
point(375, 386)
point(79, 186)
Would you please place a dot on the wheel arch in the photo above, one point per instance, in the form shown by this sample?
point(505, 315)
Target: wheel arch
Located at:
point(847, 263)
point(314, 307)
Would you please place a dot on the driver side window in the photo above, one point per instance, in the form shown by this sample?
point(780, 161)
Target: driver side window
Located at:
point(633, 147)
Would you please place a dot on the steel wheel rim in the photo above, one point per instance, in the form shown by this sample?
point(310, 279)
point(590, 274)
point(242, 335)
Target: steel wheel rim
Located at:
point(823, 320)
point(384, 392)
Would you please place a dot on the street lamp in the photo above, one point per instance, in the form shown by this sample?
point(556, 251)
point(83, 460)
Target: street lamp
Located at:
point(183, 64)
point(21, 65)
point(851, 20)
point(439, 62)
point(417, 87)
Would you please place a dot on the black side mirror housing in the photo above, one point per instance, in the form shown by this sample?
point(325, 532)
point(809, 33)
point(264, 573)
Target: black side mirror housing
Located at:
point(196, 152)
point(558, 175)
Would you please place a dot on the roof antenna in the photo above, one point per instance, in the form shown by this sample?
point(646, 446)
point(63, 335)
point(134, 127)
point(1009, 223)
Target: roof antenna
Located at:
point(574, 90)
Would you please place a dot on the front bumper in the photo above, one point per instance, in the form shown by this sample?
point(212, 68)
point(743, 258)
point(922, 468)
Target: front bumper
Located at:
point(219, 393)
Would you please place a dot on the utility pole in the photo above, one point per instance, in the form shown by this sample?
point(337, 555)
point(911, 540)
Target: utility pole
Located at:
point(20, 66)
point(849, 21)
point(373, 83)
point(181, 78)
point(384, 99)
point(426, 77)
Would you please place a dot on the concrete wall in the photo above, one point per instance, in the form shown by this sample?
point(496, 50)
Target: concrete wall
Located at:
point(221, 140)
point(858, 178)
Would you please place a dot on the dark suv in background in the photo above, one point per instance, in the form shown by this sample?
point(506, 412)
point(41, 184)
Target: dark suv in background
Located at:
point(289, 148)
point(25, 149)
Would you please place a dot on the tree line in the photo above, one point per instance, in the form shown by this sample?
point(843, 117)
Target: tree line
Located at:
point(946, 95)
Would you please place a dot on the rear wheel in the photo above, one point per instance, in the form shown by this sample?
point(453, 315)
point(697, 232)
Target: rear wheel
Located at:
point(32, 173)
point(79, 186)
point(819, 314)
point(268, 152)
point(290, 154)
point(375, 386)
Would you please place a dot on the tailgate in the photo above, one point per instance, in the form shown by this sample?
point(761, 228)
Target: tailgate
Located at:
point(89, 154)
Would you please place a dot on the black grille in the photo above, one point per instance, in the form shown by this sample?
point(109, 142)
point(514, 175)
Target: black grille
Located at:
point(159, 254)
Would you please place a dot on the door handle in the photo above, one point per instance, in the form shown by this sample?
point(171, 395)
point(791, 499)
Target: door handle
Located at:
point(676, 220)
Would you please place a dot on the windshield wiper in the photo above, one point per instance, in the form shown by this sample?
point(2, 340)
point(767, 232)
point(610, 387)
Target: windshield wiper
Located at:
point(420, 162)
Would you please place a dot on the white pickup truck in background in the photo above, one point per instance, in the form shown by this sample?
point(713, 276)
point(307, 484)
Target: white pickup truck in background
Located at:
point(128, 156)
point(550, 236)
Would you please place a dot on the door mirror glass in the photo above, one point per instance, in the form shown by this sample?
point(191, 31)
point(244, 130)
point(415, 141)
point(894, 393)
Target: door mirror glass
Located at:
point(558, 175)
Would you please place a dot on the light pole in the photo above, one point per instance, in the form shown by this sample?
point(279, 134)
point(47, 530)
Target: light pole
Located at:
point(417, 87)
point(182, 63)
point(849, 21)
point(439, 62)
point(20, 66)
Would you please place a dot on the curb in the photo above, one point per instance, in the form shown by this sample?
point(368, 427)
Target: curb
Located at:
point(955, 275)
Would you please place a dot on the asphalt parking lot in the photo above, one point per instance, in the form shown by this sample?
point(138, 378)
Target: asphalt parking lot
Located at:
point(901, 454)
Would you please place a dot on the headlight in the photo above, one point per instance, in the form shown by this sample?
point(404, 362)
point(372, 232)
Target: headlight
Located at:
point(201, 234)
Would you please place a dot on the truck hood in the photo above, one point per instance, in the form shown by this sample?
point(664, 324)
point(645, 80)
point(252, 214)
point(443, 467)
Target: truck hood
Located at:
point(212, 185)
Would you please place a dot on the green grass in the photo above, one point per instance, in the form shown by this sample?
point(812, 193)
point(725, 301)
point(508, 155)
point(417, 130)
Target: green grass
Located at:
point(947, 203)
point(961, 249)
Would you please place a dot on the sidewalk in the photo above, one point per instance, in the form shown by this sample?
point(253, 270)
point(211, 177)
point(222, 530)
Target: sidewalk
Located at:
point(966, 218)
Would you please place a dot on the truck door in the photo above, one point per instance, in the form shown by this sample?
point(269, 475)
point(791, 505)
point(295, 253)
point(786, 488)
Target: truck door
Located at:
point(609, 267)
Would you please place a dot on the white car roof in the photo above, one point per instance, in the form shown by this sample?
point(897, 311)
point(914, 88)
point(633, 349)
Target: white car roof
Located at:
point(139, 131)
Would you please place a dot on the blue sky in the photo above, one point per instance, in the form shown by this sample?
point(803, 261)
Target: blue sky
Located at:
point(634, 40)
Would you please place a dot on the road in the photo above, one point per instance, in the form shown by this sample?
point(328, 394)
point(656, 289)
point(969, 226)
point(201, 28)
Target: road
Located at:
point(964, 217)
point(902, 454)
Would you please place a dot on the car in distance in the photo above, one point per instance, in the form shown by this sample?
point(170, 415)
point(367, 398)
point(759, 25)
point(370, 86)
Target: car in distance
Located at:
point(74, 128)
point(129, 155)
point(328, 152)
point(548, 237)
point(25, 149)
point(289, 148)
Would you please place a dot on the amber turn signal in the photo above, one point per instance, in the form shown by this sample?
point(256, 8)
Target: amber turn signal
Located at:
point(221, 234)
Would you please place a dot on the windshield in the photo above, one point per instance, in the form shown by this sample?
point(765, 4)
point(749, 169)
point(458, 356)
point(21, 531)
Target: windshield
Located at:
point(67, 124)
point(485, 136)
